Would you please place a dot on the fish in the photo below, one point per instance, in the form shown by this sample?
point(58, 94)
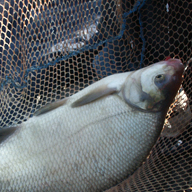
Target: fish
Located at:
point(93, 139)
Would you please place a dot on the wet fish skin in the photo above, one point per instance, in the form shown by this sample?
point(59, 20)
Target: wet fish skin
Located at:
point(94, 139)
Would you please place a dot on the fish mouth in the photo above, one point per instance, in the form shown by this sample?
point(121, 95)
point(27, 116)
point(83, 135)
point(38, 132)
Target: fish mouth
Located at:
point(175, 79)
point(173, 71)
point(177, 66)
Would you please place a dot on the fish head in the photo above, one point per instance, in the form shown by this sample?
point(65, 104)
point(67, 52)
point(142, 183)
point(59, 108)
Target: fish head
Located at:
point(153, 88)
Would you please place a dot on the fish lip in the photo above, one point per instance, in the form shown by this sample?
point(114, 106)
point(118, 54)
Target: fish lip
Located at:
point(175, 79)
point(177, 65)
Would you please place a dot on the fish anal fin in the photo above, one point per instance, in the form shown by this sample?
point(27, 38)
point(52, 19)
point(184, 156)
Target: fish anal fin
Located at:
point(93, 95)
point(6, 132)
point(51, 106)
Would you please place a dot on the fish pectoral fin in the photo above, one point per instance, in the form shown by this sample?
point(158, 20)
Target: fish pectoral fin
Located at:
point(51, 106)
point(93, 95)
point(6, 132)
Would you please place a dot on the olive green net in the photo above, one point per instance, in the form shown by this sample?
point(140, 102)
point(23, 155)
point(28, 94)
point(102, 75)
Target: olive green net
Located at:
point(50, 49)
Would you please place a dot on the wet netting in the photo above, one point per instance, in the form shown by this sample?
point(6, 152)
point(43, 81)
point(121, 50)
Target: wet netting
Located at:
point(51, 49)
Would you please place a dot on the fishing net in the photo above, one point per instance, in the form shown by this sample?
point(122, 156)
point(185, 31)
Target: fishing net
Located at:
point(51, 49)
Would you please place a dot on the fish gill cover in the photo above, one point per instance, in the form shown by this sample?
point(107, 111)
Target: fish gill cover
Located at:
point(52, 49)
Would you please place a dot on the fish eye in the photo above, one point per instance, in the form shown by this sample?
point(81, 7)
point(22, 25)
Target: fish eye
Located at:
point(160, 78)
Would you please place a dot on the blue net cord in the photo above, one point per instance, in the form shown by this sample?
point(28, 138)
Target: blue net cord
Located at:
point(136, 8)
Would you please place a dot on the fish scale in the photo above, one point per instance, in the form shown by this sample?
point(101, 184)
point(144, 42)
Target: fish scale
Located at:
point(115, 148)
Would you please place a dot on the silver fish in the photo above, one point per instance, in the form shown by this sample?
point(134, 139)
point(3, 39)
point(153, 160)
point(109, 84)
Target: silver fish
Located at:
point(93, 139)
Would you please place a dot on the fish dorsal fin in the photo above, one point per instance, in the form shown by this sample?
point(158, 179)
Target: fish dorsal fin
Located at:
point(6, 132)
point(106, 86)
point(50, 107)
point(93, 95)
